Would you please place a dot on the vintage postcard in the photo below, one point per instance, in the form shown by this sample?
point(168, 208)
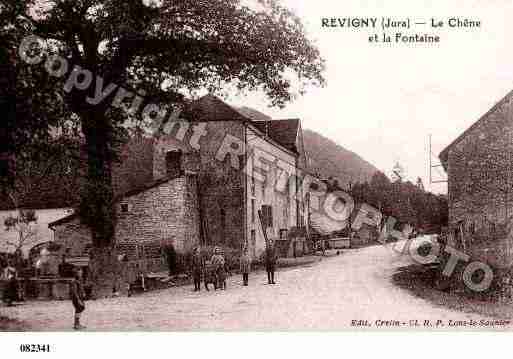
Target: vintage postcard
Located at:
point(255, 165)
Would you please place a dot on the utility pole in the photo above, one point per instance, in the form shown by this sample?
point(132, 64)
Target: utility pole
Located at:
point(349, 224)
point(509, 187)
point(433, 165)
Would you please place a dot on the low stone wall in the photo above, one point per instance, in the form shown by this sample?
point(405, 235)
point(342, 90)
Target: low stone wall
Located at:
point(42, 289)
point(132, 269)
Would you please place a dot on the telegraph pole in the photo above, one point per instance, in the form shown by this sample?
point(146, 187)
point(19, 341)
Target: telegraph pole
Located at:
point(509, 187)
point(433, 165)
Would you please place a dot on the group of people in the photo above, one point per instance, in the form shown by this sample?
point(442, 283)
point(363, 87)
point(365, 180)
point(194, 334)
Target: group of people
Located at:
point(215, 270)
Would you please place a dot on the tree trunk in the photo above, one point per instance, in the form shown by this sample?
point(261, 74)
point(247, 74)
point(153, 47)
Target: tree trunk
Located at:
point(106, 273)
point(97, 209)
point(97, 198)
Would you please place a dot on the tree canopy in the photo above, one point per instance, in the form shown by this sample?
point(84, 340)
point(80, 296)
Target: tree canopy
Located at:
point(406, 202)
point(163, 50)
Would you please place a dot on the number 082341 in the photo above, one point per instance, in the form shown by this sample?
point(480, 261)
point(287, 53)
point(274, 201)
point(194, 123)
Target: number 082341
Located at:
point(35, 348)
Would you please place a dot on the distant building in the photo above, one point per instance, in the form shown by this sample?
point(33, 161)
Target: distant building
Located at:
point(323, 227)
point(40, 230)
point(479, 164)
point(366, 233)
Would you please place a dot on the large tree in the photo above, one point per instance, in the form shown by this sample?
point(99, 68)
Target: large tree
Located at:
point(166, 48)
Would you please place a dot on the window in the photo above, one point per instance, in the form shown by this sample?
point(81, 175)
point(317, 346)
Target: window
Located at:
point(267, 215)
point(283, 233)
point(252, 211)
point(173, 163)
point(124, 208)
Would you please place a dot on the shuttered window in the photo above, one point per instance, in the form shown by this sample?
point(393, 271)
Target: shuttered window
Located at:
point(267, 215)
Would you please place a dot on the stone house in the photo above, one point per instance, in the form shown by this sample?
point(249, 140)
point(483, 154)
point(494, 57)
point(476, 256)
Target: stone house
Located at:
point(160, 213)
point(479, 165)
point(243, 166)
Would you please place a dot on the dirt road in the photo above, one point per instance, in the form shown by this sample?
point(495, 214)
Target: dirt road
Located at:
point(350, 291)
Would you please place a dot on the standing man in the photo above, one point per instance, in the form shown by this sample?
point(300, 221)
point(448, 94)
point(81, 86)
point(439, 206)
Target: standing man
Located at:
point(270, 262)
point(197, 269)
point(77, 295)
point(11, 290)
point(245, 266)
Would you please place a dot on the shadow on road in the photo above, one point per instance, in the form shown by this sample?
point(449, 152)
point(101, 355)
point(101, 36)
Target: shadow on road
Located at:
point(12, 325)
point(420, 280)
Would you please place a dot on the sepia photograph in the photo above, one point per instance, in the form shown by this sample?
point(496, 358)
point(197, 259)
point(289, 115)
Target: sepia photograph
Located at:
point(254, 166)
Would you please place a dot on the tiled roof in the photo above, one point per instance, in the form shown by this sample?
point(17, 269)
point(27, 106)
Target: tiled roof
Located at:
point(282, 131)
point(211, 108)
point(444, 155)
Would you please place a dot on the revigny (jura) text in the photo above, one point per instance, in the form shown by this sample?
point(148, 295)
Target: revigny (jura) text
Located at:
point(398, 22)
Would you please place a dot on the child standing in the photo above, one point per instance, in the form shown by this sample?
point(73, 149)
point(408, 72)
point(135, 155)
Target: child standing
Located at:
point(245, 266)
point(77, 295)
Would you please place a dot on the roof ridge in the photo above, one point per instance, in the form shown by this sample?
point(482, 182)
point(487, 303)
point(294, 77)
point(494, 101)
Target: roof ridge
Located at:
point(483, 117)
point(219, 106)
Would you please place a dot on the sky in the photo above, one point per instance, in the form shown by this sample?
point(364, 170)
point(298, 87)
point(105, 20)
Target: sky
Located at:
point(383, 101)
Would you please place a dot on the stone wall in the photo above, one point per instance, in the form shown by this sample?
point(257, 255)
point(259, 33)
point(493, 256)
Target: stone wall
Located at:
point(220, 186)
point(74, 238)
point(167, 213)
point(481, 186)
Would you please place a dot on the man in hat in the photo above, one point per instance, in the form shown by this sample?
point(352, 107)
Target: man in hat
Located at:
point(197, 269)
point(270, 262)
point(77, 295)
